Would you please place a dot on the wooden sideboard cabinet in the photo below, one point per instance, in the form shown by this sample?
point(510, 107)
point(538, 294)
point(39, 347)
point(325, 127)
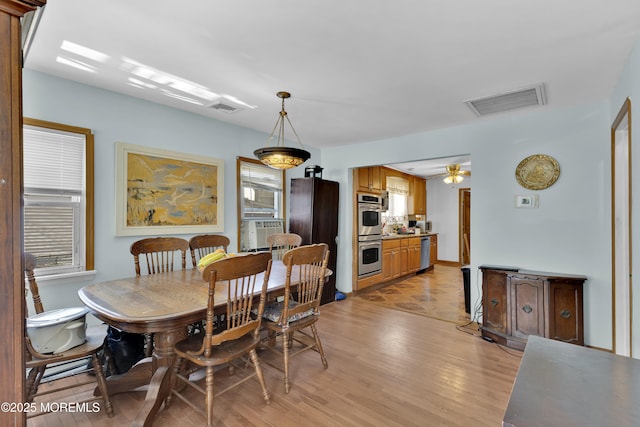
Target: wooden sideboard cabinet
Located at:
point(518, 303)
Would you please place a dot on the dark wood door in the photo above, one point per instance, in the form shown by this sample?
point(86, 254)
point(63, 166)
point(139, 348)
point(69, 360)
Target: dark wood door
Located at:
point(565, 312)
point(313, 214)
point(465, 226)
point(527, 298)
point(494, 301)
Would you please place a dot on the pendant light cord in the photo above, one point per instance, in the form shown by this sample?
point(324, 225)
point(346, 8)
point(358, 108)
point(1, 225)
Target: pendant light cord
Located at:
point(280, 121)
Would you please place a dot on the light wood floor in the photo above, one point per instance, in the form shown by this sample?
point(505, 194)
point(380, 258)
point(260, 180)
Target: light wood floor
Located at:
point(387, 367)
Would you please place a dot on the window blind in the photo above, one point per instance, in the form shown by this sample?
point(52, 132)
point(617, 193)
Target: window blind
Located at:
point(53, 160)
point(261, 191)
point(54, 187)
point(260, 176)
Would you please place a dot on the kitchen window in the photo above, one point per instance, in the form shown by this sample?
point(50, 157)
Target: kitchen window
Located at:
point(398, 189)
point(58, 197)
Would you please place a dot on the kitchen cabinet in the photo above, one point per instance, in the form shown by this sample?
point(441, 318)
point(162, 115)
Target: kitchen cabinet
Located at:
point(370, 180)
point(391, 262)
point(404, 258)
point(433, 249)
point(413, 249)
point(417, 201)
point(400, 256)
point(313, 214)
point(519, 303)
point(368, 281)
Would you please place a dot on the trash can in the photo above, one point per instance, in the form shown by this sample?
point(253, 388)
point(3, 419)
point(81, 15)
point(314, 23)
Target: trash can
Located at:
point(466, 280)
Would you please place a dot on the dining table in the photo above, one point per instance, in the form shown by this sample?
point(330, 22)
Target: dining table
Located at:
point(162, 304)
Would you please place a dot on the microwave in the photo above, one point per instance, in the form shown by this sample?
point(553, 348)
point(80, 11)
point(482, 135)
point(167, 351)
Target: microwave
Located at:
point(425, 226)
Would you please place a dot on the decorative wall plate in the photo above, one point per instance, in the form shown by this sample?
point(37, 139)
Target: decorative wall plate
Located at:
point(537, 172)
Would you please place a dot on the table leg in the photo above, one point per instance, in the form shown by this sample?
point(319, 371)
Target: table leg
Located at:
point(160, 385)
point(139, 375)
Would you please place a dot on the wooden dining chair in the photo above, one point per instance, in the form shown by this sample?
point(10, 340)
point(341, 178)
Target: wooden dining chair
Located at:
point(280, 243)
point(204, 244)
point(71, 362)
point(240, 277)
point(288, 322)
point(160, 255)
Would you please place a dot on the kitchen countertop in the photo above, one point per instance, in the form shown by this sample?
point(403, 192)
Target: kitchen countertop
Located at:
point(405, 236)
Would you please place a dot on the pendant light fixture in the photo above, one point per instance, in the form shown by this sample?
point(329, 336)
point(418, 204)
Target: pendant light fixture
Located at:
point(279, 156)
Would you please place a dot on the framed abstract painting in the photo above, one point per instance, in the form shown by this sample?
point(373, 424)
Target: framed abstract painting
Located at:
point(161, 192)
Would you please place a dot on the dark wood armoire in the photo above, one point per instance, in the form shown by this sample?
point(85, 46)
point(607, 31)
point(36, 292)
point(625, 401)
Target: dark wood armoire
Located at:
point(12, 306)
point(313, 214)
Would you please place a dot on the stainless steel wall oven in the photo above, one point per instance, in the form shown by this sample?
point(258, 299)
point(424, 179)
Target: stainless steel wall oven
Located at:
point(369, 234)
point(369, 257)
point(369, 215)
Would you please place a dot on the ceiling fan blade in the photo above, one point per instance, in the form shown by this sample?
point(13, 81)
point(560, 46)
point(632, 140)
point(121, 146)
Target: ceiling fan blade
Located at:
point(440, 175)
point(445, 174)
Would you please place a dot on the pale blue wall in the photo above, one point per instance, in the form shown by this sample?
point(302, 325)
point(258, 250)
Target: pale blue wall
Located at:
point(118, 118)
point(568, 233)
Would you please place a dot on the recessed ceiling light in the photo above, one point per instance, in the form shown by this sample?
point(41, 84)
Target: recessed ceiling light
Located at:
point(76, 64)
point(237, 101)
point(152, 78)
point(140, 83)
point(180, 97)
point(84, 51)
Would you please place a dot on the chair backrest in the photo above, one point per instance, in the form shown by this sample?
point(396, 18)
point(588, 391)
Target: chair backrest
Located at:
point(205, 244)
point(159, 253)
point(280, 243)
point(29, 266)
point(306, 267)
point(242, 275)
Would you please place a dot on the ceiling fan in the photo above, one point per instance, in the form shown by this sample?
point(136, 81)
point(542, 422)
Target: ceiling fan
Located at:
point(453, 175)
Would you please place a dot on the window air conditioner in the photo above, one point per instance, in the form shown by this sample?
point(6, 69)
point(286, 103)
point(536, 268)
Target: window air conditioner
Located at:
point(256, 231)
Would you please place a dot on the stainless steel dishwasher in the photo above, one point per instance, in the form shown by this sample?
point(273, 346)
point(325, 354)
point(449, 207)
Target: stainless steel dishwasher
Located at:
point(425, 248)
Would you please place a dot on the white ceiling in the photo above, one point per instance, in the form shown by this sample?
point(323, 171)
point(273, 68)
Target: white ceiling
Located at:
point(357, 70)
point(432, 167)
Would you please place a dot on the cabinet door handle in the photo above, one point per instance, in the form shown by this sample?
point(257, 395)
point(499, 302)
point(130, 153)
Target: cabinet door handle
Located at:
point(527, 309)
point(565, 314)
point(494, 302)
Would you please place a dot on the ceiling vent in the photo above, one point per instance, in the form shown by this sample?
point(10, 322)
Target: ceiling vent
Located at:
point(511, 100)
point(225, 107)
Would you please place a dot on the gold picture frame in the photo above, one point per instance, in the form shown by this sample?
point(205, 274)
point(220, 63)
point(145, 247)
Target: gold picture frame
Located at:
point(160, 192)
point(537, 172)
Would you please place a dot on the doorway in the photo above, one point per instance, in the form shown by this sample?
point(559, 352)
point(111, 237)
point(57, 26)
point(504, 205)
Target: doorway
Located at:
point(464, 209)
point(622, 308)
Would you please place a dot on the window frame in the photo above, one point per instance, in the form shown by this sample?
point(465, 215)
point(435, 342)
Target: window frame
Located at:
point(398, 191)
point(239, 193)
point(89, 250)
